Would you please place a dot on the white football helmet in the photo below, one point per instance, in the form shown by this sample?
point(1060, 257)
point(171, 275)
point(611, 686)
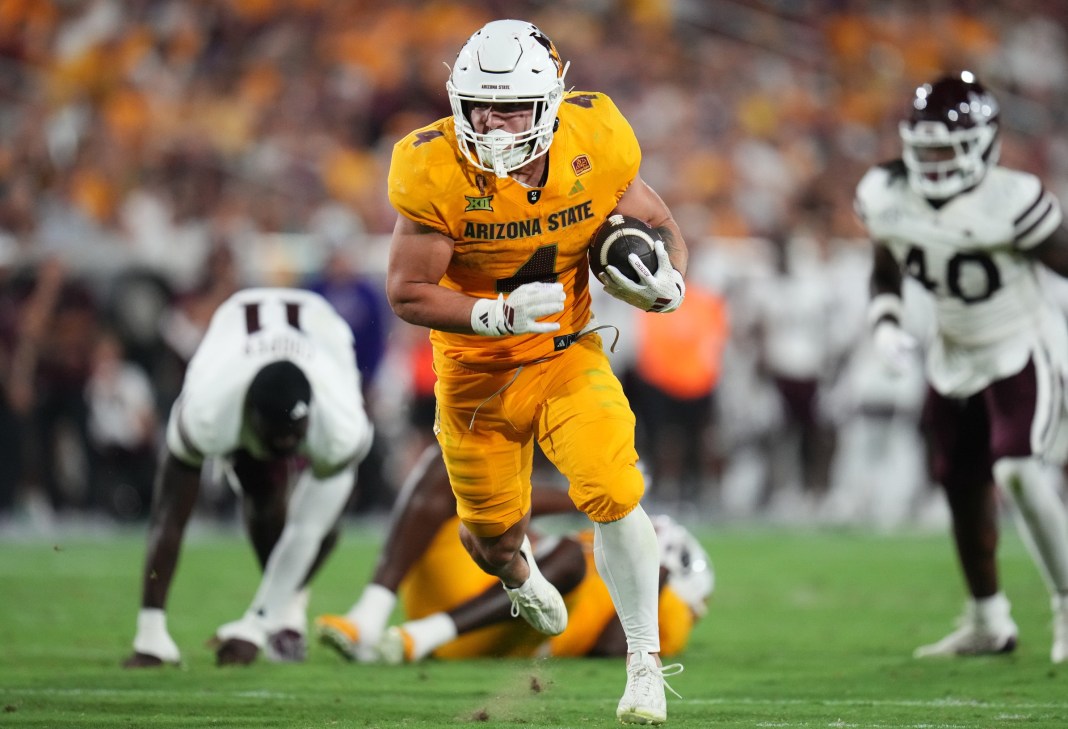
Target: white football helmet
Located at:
point(688, 565)
point(506, 62)
point(950, 136)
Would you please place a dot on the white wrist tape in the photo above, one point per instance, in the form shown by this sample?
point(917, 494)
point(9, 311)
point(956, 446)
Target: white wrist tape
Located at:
point(487, 317)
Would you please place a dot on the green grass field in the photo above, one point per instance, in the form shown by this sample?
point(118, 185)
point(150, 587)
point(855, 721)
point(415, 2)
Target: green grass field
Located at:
point(806, 629)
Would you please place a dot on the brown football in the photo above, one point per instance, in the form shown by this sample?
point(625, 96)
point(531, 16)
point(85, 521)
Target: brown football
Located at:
point(616, 239)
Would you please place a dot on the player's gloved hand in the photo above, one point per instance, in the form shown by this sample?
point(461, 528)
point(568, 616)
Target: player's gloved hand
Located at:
point(894, 346)
point(519, 313)
point(662, 291)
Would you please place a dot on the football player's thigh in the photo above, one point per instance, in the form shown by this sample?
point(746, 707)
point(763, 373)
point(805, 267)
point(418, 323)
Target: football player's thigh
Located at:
point(958, 436)
point(488, 460)
point(1024, 411)
point(586, 428)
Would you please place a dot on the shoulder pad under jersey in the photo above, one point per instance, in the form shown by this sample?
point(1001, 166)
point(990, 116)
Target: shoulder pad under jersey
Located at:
point(1035, 212)
point(879, 189)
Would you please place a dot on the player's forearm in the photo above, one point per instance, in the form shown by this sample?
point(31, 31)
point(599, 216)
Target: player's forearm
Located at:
point(171, 509)
point(425, 503)
point(675, 245)
point(643, 202)
point(885, 273)
point(433, 306)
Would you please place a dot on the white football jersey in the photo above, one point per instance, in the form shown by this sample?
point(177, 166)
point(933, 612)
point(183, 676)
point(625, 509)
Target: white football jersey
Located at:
point(992, 315)
point(253, 328)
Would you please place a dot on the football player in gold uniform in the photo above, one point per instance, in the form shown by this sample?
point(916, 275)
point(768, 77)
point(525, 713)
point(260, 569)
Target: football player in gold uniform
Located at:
point(497, 205)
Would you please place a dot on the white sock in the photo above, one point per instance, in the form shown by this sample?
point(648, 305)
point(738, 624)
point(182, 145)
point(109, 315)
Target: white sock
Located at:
point(627, 555)
point(1040, 515)
point(994, 609)
point(151, 623)
point(371, 612)
point(429, 633)
point(152, 637)
point(295, 616)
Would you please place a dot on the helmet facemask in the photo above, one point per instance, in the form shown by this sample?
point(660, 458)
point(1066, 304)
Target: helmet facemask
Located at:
point(950, 136)
point(507, 62)
point(690, 574)
point(941, 162)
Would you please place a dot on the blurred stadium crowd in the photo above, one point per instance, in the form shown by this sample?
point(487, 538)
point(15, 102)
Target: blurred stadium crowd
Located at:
point(157, 155)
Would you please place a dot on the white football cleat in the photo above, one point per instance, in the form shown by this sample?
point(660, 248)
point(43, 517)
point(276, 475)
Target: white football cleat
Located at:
point(286, 646)
point(1059, 652)
point(537, 600)
point(287, 642)
point(249, 628)
point(644, 700)
point(345, 637)
point(153, 642)
point(158, 646)
point(396, 646)
point(983, 629)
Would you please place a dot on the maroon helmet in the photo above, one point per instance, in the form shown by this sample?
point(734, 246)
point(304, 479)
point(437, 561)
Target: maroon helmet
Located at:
point(950, 137)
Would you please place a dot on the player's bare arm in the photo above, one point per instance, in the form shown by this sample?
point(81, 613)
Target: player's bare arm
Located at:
point(886, 312)
point(885, 273)
point(1053, 252)
point(174, 504)
point(424, 504)
point(642, 202)
point(418, 258)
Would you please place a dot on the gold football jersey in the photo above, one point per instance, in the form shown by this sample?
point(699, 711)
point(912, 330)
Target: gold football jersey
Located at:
point(508, 234)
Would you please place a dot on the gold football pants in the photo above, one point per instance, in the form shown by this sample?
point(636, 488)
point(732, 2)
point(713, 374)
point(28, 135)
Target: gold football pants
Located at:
point(572, 405)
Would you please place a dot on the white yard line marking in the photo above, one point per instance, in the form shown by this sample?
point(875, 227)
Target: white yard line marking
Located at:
point(904, 703)
point(852, 725)
point(259, 694)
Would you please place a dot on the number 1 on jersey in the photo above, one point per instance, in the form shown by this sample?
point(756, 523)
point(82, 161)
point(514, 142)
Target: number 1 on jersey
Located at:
point(252, 316)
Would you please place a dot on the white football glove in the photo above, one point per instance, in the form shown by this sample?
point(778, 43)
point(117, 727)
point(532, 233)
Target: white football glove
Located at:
point(662, 291)
point(894, 346)
point(519, 313)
